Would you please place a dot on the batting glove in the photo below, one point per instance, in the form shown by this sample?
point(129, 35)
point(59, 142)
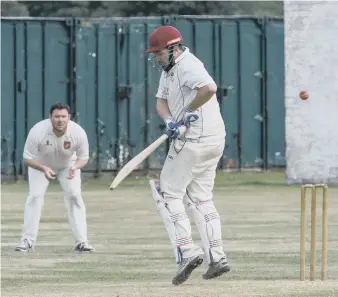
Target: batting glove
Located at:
point(189, 117)
point(172, 128)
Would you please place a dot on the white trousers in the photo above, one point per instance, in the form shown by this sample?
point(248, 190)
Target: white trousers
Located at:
point(188, 178)
point(190, 168)
point(38, 185)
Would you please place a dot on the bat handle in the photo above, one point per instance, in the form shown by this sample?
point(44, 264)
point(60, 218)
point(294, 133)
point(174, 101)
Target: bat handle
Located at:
point(178, 124)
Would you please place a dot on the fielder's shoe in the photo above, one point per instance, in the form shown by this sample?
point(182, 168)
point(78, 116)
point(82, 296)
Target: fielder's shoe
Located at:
point(185, 268)
point(84, 247)
point(24, 246)
point(217, 269)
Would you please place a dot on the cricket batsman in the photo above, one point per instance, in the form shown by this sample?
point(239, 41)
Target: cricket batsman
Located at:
point(55, 148)
point(187, 92)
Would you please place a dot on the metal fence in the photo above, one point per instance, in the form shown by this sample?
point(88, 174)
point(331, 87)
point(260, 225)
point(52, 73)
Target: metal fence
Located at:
point(99, 67)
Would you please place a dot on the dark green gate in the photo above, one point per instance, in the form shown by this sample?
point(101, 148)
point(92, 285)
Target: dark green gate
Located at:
point(36, 72)
point(99, 67)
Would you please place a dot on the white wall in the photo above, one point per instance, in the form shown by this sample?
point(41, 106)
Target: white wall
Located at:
point(311, 61)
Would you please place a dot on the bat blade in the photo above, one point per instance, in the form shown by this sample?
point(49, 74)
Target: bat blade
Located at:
point(136, 161)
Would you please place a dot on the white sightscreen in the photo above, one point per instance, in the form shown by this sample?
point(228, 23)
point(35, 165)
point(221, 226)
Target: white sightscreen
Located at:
point(311, 63)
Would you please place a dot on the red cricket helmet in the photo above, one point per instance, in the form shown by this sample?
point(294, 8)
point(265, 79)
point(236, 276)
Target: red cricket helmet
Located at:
point(162, 37)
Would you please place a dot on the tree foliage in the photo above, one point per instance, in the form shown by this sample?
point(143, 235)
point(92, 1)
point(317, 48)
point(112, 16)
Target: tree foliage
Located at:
point(139, 8)
point(13, 8)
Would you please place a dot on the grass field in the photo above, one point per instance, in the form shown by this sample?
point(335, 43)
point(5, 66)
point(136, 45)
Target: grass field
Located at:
point(260, 218)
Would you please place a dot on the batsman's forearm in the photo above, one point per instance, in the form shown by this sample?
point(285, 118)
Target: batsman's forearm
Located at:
point(203, 95)
point(162, 108)
point(80, 163)
point(34, 164)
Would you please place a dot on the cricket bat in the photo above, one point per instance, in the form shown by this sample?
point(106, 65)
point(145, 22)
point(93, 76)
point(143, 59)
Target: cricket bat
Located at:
point(138, 159)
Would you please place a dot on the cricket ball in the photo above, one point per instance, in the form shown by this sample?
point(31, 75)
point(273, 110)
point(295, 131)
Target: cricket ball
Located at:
point(304, 95)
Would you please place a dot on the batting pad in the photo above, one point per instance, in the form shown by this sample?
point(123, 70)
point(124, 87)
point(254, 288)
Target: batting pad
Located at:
point(208, 224)
point(176, 222)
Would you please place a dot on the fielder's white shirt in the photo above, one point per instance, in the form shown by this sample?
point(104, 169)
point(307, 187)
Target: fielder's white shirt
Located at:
point(56, 152)
point(179, 88)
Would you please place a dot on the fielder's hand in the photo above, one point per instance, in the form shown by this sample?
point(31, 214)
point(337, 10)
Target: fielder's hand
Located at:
point(49, 173)
point(172, 128)
point(189, 117)
point(71, 172)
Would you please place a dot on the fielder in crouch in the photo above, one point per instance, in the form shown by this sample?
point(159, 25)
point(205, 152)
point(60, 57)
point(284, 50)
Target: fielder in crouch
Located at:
point(55, 148)
point(186, 91)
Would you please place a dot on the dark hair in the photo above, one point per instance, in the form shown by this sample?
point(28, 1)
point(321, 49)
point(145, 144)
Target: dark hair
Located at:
point(59, 106)
point(181, 46)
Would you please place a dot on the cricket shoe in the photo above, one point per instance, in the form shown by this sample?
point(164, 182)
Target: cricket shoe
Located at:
point(217, 269)
point(24, 246)
point(84, 247)
point(185, 268)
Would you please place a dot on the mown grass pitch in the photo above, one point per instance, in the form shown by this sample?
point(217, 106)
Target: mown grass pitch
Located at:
point(260, 217)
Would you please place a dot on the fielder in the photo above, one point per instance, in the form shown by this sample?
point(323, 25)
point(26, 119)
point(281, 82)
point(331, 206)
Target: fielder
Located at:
point(186, 91)
point(55, 148)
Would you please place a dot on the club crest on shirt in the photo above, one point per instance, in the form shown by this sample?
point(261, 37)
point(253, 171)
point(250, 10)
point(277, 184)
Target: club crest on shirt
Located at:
point(66, 145)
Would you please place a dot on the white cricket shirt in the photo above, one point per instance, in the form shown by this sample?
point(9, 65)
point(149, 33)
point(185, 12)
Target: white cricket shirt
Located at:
point(56, 152)
point(179, 87)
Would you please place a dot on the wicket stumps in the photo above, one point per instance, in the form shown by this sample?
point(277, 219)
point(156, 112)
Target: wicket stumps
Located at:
point(313, 231)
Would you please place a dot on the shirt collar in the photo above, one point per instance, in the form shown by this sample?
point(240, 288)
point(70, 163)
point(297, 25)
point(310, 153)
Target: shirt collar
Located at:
point(181, 56)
